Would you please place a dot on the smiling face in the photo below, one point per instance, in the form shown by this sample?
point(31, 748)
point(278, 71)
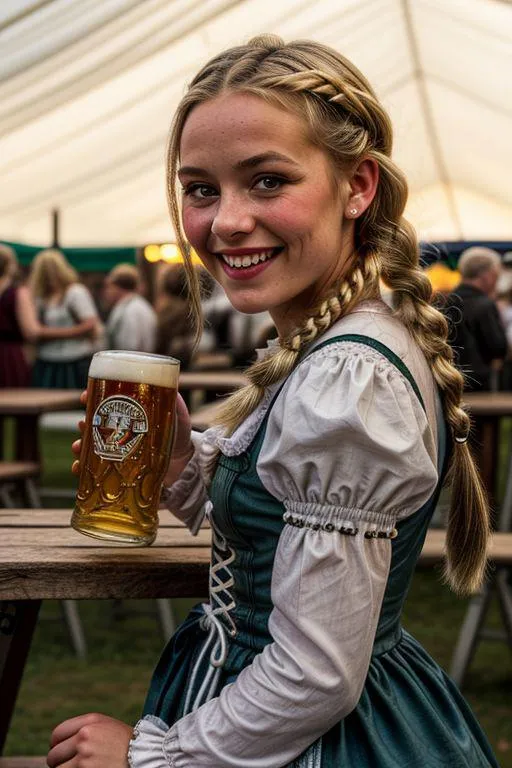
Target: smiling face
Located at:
point(261, 207)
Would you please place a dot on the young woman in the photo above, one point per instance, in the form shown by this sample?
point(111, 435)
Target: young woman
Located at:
point(322, 477)
point(62, 303)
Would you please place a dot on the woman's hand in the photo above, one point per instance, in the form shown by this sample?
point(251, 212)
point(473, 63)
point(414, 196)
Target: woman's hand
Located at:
point(183, 447)
point(90, 741)
point(76, 447)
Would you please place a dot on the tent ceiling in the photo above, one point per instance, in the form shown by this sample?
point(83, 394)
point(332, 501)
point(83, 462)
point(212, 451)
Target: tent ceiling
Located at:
point(88, 88)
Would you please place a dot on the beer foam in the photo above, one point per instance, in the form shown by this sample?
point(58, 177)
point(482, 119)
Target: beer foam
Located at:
point(139, 367)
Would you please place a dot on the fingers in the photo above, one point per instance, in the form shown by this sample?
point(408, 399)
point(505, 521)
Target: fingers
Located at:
point(83, 397)
point(60, 754)
point(70, 727)
point(76, 447)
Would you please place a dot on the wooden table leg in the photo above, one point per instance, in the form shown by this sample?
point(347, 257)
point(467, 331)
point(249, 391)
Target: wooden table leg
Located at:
point(17, 623)
point(485, 441)
point(27, 438)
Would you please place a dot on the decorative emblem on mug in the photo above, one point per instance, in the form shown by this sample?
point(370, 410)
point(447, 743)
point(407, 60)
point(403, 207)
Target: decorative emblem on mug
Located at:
point(118, 425)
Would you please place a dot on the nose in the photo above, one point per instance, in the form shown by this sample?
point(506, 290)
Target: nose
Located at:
point(232, 218)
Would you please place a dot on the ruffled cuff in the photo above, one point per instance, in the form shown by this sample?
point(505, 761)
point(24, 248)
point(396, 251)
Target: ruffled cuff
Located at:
point(146, 748)
point(186, 497)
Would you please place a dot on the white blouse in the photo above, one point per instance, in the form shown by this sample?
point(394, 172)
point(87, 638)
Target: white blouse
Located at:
point(348, 445)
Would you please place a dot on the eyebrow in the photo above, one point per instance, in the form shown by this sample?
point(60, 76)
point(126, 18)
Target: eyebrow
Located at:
point(264, 157)
point(250, 162)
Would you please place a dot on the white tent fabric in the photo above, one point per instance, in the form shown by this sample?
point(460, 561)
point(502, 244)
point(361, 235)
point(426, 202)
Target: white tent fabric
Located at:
point(88, 88)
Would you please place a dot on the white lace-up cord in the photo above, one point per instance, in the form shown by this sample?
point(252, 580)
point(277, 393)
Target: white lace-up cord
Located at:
point(216, 641)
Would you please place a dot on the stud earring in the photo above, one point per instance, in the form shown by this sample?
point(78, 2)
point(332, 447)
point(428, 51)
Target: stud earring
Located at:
point(353, 211)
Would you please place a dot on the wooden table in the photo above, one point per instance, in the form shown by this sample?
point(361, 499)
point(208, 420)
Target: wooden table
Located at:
point(41, 557)
point(212, 381)
point(26, 406)
point(487, 410)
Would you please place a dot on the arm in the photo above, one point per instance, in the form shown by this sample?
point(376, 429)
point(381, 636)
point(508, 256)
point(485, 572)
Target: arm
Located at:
point(26, 314)
point(85, 328)
point(327, 585)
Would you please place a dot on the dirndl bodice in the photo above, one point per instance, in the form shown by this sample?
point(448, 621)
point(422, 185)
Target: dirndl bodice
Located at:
point(409, 714)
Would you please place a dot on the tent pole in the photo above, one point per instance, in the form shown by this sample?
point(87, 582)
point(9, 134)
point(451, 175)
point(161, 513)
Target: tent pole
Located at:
point(55, 227)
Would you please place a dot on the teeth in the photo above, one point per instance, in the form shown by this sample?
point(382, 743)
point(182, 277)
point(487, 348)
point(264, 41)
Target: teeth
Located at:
point(246, 261)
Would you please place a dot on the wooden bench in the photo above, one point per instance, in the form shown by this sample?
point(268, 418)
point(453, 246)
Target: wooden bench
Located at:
point(21, 474)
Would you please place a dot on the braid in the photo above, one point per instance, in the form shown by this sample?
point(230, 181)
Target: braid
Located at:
point(468, 521)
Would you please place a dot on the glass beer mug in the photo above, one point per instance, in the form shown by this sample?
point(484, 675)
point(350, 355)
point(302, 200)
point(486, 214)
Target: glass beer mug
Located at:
point(131, 398)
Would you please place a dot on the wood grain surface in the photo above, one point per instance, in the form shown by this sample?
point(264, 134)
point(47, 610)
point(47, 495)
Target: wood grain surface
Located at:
point(42, 557)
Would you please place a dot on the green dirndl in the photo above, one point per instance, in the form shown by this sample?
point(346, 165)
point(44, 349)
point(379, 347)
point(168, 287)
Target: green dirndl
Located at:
point(410, 714)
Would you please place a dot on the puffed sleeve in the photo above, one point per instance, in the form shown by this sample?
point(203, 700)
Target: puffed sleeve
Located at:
point(348, 437)
point(345, 452)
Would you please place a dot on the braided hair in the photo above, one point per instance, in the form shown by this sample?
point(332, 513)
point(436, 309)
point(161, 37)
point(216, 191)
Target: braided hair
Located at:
point(347, 121)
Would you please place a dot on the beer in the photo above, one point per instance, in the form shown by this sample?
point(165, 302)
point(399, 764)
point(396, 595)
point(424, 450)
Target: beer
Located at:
point(131, 398)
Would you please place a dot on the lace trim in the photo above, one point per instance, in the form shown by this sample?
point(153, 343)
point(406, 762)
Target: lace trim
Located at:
point(146, 749)
point(243, 436)
point(348, 520)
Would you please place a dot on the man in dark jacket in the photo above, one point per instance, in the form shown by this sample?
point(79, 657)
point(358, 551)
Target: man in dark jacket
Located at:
point(476, 331)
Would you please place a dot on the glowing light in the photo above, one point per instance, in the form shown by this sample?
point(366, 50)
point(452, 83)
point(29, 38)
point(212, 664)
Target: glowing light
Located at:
point(170, 254)
point(152, 253)
point(442, 278)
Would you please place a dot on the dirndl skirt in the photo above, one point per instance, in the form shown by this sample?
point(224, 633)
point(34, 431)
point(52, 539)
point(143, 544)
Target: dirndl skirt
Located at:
point(66, 374)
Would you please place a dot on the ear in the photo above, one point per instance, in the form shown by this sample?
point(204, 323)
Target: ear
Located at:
point(363, 186)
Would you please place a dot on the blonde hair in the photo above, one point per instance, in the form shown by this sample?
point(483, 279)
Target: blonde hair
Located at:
point(347, 121)
point(51, 272)
point(8, 261)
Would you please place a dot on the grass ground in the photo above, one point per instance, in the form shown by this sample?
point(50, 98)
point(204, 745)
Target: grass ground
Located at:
point(124, 648)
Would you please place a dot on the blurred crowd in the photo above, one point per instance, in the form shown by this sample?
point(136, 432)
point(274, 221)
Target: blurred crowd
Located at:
point(51, 323)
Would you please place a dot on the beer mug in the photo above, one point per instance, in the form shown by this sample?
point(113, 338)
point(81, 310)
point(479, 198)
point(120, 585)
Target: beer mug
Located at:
point(126, 447)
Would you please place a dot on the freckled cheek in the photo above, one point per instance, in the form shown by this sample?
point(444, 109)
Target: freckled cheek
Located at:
point(197, 226)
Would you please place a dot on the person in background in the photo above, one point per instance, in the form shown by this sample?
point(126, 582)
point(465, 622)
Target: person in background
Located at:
point(477, 334)
point(132, 322)
point(504, 304)
point(321, 476)
point(175, 331)
point(66, 308)
point(235, 332)
point(19, 324)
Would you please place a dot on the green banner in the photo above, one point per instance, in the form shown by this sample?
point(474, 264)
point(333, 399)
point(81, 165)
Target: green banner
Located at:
point(82, 259)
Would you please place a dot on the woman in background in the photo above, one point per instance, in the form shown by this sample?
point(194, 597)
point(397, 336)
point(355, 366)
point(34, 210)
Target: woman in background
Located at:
point(62, 303)
point(19, 325)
